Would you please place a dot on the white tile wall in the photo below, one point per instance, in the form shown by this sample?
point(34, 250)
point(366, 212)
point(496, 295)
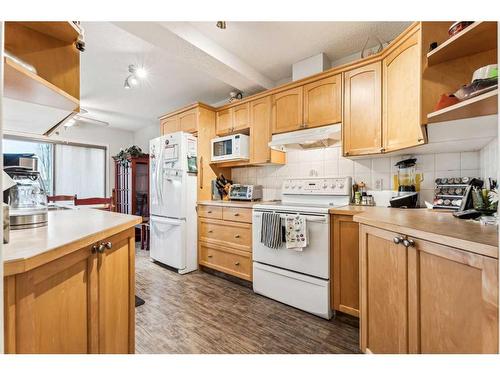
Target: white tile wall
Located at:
point(376, 173)
point(488, 160)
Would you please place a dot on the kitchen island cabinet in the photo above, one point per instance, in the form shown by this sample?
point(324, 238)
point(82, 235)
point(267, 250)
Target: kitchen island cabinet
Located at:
point(425, 292)
point(70, 287)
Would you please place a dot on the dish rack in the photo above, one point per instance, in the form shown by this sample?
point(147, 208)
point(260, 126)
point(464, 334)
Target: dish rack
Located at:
point(449, 192)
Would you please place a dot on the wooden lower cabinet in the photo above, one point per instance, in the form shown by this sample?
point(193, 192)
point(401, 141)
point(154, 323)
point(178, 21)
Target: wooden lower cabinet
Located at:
point(225, 239)
point(425, 297)
point(345, 264)
point(227, 260)
point(83, 302)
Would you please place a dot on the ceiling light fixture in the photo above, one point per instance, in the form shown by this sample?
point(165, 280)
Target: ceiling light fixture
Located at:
point(221, 25)
point(136, 74)
point(70, 123)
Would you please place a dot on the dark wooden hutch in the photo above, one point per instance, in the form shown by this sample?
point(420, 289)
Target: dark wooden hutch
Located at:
point(132, 186)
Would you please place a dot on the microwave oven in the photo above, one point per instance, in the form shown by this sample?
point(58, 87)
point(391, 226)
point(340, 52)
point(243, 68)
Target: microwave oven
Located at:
point(230, 147)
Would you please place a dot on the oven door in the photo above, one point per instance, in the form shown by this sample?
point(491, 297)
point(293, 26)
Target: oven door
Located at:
point(223, 148)
point(313, 260)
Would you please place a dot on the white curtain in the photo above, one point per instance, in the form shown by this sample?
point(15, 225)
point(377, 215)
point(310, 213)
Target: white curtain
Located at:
point(80, 171)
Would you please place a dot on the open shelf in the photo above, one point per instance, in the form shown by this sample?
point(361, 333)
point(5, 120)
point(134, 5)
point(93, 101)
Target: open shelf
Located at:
point(481, 105)
point(65, 31)
point(22, 84)
point(478, 37)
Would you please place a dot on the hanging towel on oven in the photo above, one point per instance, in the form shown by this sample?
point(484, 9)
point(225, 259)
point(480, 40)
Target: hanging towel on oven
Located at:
point(270, 234)
point(296, 232)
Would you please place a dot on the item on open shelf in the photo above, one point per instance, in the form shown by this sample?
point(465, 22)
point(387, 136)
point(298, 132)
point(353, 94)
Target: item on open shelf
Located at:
point(445, 101)
point(485, 72)
point(458, 27)
point(477, 87)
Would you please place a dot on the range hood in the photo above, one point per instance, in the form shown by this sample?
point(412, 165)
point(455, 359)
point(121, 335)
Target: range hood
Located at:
point(308, 138)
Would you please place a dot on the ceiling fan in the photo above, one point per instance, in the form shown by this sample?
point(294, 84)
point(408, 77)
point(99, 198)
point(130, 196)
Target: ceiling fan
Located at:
point(71, 120)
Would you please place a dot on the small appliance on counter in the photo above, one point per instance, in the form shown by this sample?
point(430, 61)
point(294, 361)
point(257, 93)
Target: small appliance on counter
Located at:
point(407, 186)
point(245, 192)
point(27, 198)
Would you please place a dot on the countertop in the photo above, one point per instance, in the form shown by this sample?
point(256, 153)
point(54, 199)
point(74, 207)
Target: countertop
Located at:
point(67, 231)
point(237, 204)
point(432, 225)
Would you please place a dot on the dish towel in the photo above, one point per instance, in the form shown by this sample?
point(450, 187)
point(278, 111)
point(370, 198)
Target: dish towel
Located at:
point(270, 234)
point(296, 232)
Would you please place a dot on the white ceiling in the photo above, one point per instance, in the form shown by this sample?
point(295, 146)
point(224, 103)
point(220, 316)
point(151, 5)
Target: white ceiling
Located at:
point(272, 47)
point(196, 61)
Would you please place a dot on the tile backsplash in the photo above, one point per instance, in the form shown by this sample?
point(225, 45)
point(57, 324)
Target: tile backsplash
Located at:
point(375, 172)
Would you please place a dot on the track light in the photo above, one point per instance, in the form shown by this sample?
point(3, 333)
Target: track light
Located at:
point(137, 73)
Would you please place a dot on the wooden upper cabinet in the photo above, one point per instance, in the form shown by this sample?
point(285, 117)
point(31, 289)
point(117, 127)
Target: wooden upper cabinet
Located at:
point(323, 102)
point(224, 121)
point(188, 121)
point(401, 95)
point(457, 293)
point(169, 125)
point(362, 126)
point(241, 117)
point(383, 278)
point(260, 132)
point(287, 110)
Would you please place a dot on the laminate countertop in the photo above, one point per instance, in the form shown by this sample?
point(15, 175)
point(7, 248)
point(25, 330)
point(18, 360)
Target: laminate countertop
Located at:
point(431, 225)
point(68, 230)
point(236, 204)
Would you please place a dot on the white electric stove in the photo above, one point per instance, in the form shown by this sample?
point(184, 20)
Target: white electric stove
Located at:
point(300, 278)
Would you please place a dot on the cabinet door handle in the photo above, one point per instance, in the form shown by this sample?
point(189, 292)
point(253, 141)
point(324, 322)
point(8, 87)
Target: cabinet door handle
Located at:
point(408, 243)
point(101, 248)
point(236, 236)
point(420, 140)
point(94, 249)
point(382, 149)
point(236, 263)
point(397, 240)
point(108, 245)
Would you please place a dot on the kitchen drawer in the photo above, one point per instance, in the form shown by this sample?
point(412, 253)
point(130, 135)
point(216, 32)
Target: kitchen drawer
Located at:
point(212, 212)
point(232, 262)
point(242, 215)
point(236, 235)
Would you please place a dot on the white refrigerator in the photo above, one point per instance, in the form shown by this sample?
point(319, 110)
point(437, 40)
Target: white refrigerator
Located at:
point(173, 225)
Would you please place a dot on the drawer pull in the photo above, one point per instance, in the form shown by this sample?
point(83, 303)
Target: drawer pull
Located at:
point(236, 214)
point(210, 231)
point(237, 236)
point(236, 263)
point(210, 256)
point(209, 212)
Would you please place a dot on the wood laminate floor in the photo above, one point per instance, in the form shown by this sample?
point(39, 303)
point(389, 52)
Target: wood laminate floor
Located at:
point(203, 313)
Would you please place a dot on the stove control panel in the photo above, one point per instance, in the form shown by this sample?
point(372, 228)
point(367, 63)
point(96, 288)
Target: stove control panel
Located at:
point(318, 186)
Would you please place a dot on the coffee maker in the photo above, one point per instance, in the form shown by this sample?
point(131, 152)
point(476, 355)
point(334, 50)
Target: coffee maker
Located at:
point(407, 196)
point(27, 199)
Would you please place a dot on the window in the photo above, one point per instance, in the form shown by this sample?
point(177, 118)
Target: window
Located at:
point(80, 170)
point(66, 169)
